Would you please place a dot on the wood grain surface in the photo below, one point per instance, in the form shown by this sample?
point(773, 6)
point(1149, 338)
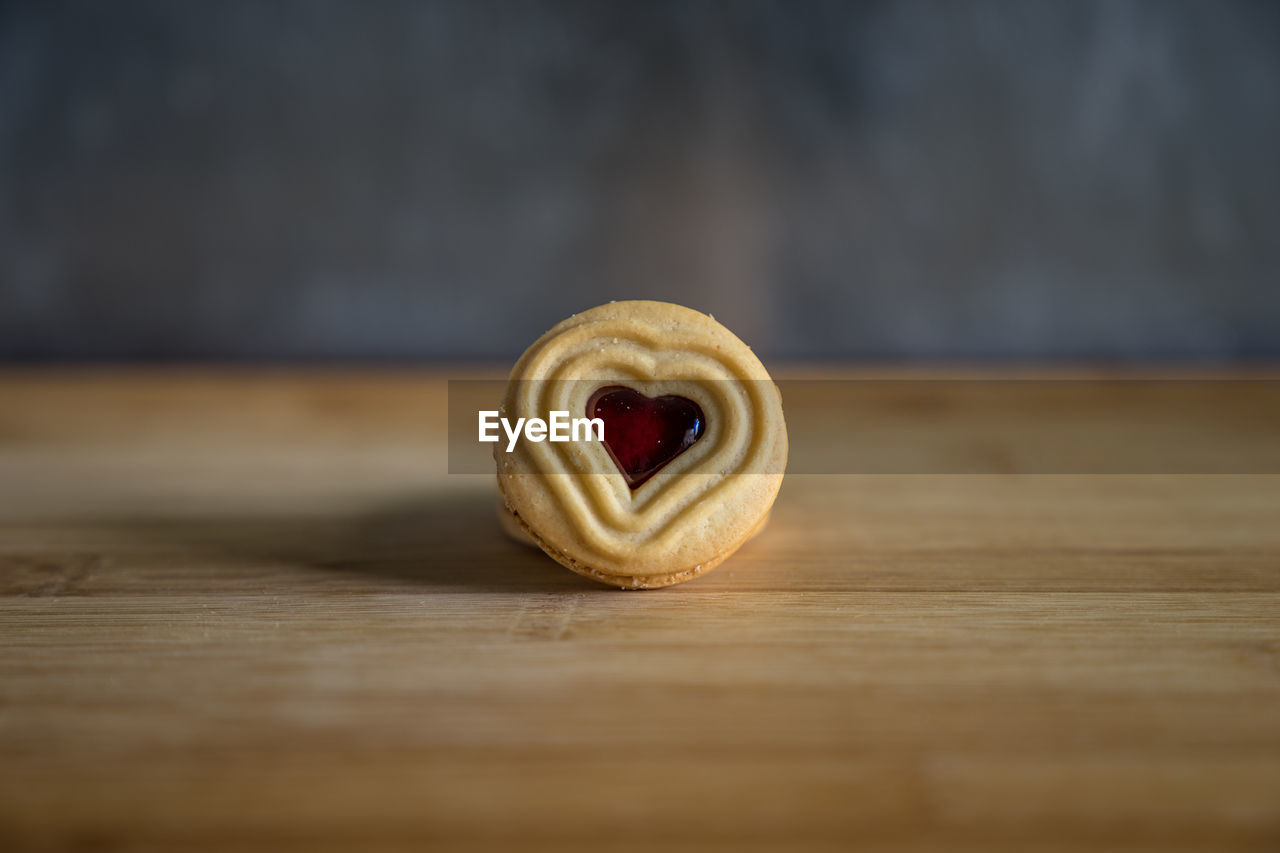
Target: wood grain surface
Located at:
point(252, 610)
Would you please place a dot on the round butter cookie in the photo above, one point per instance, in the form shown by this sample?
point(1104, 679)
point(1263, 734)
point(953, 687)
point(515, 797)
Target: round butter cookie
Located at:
point(676, 453)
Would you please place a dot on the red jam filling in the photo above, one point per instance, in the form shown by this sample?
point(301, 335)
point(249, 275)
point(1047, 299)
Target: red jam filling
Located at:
point(643, 434)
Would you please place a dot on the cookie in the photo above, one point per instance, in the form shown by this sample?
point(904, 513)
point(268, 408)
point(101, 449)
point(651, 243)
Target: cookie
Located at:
point(670, 450)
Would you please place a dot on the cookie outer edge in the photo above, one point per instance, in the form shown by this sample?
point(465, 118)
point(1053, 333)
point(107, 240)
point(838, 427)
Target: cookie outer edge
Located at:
point(528, 536)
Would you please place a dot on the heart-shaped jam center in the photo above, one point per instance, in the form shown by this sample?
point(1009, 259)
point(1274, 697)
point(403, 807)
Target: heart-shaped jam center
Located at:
point(644, 433)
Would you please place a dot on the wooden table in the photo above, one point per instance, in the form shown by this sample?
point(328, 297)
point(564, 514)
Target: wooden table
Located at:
point(253, 610)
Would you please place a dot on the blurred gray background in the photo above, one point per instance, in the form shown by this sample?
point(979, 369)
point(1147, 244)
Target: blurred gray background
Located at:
point(400, 181)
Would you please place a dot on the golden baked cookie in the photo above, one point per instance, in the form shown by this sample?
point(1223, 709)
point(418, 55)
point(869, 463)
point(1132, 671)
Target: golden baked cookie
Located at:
point(681, 454)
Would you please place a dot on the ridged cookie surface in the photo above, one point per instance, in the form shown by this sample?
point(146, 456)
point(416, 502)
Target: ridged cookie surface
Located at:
point(572, 498)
